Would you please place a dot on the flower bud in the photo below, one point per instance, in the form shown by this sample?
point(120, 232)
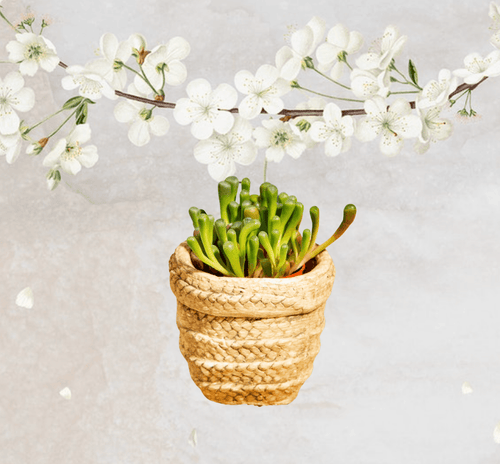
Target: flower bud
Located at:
point(303, 125)
point(118, 64)
point(35, 148)
point(308, 62)
point(53, 179)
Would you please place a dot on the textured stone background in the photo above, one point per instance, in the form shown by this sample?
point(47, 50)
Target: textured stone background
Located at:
point(414, 310)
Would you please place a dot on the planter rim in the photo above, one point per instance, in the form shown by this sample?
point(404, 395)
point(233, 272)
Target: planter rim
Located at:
point(249, 297)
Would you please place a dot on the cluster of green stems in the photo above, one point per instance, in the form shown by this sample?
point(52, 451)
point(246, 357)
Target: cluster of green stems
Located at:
point(259, 235)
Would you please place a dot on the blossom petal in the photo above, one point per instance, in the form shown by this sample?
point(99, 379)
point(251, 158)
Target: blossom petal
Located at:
point(267, 74)
point(249, 107)
point(14, 80)
point(291, 69)
point(176, 74)
point(366, 130)
point(225, 96)
point(368, 61)
point(274, 153)
point(375, 106)
point(28, 67)
point(80, 134)
point(88, 156)
point(71, 166)
point(202, 129)
point(295, 149)
point(302, 41)
point(16, 50)
point(401, 107)
point(242, 129)
point(124, 112)
point(207, 151)
point(138, 133)
point(159, 125)
point(177, 48)
point(326, 54)
point(219, 171)
point(408, 126)
point(273, 105)
point(332, 114)
point(333, 144)
point(49, 63)
point(182, 111)
point(9, 123)
point(54, 155)
point(25, 100)
point(223, 122)
point(243, 81)
point(198, 89)
point(356, 41)
point(390, 144)
point(109, 46)
point(25, 298)
point(246, 154)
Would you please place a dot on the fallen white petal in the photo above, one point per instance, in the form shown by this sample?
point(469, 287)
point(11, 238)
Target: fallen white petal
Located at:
point(25, 298)
point(466, 388)
point(65, 393)
point(496, 433)
point(193, 439)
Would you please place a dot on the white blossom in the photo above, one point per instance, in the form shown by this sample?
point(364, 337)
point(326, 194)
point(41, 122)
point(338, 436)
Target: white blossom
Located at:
point(290, 60)
point(477, 67)
point(338, 41)
point(202, 108)
point(222, 151)
point(393, 124)
point(90, 84)
point(164, 64)
point(366, 84)
point(335, 131)
point(114, 55)
point(278, 138)
point(434, 128)
point(435, 93)
point(141, 119)
point(263, 91)
point(31, 51)
point(10, 146)
point(13, 97)
point(494, 13)
point(70, 155)
point(383, 50)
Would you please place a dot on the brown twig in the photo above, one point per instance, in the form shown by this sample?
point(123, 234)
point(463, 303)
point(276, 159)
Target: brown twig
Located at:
point(289, 114)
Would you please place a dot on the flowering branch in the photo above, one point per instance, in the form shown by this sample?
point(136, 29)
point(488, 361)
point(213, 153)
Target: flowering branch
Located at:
point(224, 127)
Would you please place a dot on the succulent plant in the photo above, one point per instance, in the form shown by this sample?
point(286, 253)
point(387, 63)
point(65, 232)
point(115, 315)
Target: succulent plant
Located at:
point(259, 235)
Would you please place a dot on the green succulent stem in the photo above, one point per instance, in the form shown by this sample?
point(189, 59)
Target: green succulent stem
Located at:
point(196, 248)
point(232, 254)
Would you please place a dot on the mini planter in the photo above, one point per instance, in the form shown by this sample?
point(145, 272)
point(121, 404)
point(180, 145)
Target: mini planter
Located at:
point(250, 341)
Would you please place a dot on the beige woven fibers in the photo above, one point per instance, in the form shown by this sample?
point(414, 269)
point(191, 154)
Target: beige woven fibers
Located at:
point(249, 341)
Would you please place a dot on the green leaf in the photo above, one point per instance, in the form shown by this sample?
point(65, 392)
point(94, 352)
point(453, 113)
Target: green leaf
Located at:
point(412, 72)
point(72, 103)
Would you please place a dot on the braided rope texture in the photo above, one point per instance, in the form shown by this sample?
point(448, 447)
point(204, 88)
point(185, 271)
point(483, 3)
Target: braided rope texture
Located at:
point(249, 341)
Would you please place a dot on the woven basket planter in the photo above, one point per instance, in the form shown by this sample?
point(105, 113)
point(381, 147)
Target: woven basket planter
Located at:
point(250, 341)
